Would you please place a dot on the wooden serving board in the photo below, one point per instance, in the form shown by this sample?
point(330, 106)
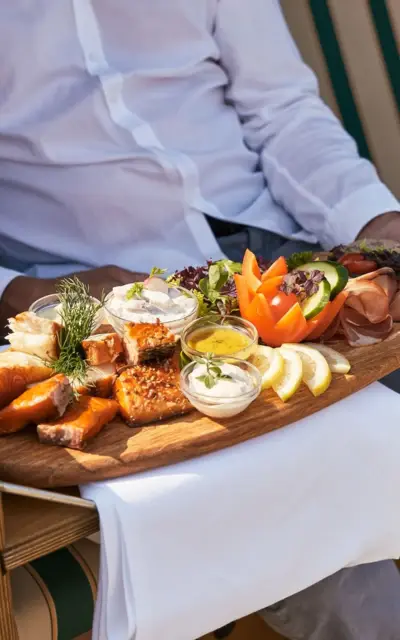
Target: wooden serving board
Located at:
point(120, 450)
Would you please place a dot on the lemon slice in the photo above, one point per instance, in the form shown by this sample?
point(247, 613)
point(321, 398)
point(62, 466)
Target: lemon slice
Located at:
point(292, 375)
point(316, 372)
point(270, 364)
point(337, 362)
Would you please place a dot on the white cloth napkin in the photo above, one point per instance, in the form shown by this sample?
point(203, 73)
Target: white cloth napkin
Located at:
point(190, 547)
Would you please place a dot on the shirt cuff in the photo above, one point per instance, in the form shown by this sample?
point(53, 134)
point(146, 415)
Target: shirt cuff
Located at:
point(352, 214)
point(6, 275)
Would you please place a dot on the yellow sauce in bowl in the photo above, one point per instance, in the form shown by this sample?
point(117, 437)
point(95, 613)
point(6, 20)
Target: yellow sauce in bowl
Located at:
point(218, 340)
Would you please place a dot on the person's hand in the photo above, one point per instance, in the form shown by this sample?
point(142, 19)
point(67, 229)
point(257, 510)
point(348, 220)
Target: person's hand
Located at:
point(24, 290)
point(384, 227)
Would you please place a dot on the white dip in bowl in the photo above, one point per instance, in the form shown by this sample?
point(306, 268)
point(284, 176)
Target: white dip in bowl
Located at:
point(173, 306)
point(230, 394)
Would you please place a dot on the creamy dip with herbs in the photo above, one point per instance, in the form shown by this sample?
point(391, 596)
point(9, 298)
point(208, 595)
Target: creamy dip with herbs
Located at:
point(227, 396)
point(168, 304)
point(233, 383)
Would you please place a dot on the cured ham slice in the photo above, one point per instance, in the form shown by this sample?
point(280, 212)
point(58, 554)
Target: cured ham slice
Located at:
point(394, 308)
point(81, 422)
point(366, 315)
point(369, 300)
point(45, 400)
point(359, 332)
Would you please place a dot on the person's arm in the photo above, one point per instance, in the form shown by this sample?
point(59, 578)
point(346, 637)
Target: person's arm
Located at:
point(311, 164)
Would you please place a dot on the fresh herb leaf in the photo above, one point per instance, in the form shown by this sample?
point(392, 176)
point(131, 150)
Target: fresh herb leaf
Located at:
point(213, 284)
point(214, 276)
point(203, 306)
point(297, 259)
point(135, 291)
point(230, 266)
point(203, 286)
point(78, 314)
point(216, 370)
point(209, 382)
point(213, 371)
point(303, 284)
point(156, 271)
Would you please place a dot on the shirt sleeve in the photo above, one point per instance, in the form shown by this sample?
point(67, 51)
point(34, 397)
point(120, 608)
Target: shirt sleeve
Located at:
point(311, 164)
point(6, 275)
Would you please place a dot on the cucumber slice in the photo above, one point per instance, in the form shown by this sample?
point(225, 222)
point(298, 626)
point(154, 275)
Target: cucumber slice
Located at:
point(336, 274)
point(313, 305)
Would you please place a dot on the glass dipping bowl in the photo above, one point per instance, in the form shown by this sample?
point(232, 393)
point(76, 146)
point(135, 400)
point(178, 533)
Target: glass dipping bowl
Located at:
point(229, 322)
point(46, 307)
point(222, 407)
point(175, 326)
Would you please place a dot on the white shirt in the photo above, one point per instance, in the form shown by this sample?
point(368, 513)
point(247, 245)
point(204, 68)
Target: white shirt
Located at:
point(122, 122)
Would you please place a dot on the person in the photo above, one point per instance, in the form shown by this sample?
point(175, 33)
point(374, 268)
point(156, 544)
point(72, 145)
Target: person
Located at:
point(124, 125)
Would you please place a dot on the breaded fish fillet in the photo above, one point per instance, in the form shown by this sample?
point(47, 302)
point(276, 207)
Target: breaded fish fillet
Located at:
point(150, 392)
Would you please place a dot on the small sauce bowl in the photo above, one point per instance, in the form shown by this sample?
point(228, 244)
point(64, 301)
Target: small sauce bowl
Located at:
point(46, 307)
point(210, 330)
point(175, 326)
point(224, 406)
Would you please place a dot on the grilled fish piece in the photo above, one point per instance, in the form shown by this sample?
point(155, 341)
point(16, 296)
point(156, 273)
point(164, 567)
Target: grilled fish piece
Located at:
point(150, 392)
point(17, 371)
point(33, 368)
point(45, 400)
point(34, 335)
point(12, 384)
point(99, 381)
point(102, 348)
point(145, 341)
point(81, 422)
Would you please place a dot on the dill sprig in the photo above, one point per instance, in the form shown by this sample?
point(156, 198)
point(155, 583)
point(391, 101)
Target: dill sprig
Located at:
point(78, 314)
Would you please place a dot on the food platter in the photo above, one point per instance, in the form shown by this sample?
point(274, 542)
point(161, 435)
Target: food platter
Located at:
point(169, 369)
point(119, 450)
